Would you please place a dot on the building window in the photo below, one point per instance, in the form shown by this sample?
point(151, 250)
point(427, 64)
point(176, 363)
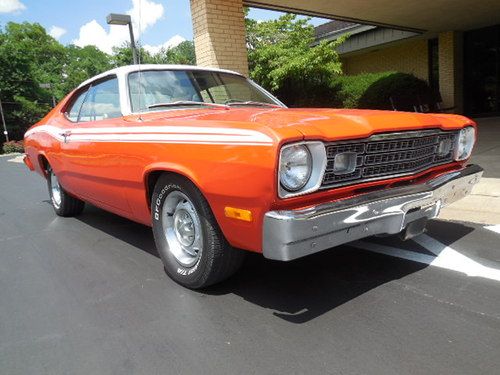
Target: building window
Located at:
point(434, 66)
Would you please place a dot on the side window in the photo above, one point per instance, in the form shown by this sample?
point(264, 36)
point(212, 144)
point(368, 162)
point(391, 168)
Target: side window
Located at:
point(102, 102)
point(74, 108)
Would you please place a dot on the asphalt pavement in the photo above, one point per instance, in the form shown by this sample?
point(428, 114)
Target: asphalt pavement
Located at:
point(88, 295)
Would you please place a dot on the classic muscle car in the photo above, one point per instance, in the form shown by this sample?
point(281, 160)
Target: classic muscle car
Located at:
point(217, 165)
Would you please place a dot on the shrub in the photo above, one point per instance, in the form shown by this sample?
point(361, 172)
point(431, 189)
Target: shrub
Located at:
point(376, 90)
point(350, 89)
point(13, 146)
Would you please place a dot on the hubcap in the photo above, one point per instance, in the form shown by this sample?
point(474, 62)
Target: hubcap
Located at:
point(55, 190)
point(182, 228)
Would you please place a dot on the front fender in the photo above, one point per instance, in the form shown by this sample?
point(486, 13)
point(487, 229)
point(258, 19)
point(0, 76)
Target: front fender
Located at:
point(242, 177)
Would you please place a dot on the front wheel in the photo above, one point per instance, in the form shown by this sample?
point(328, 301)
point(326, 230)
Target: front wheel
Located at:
point(63, 203)
point(187, 236)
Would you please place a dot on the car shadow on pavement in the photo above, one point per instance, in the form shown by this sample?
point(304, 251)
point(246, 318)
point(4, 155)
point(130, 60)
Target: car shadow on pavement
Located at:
point(297, 291)
point(307, 288)
point(304, 289)
point(136, 235)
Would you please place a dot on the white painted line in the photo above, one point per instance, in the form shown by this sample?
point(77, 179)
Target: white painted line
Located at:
point(494, 228)
point(394, 252)
point(446, 257)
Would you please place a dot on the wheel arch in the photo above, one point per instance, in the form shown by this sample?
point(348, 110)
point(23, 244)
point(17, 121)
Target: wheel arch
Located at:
point(153, 173)
point(43, 162)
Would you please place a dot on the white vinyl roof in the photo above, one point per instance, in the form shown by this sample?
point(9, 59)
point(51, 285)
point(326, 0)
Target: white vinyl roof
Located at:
point(124, 70)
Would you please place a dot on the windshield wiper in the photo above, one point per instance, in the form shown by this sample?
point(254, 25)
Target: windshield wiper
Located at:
point(232, 102)
point(186, 103)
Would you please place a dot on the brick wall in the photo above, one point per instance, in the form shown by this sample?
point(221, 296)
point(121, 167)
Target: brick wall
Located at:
point(409, 57)
point(219, 34)
point(450, 69)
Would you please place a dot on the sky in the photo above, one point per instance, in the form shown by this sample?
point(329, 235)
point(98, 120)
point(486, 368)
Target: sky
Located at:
point(163, 23)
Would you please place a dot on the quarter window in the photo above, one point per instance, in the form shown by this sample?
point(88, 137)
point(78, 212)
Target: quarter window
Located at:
point(74, 109)
point(102, 102)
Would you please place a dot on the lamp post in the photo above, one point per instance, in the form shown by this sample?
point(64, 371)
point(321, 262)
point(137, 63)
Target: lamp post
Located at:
point(124, 19)
point(5, 132)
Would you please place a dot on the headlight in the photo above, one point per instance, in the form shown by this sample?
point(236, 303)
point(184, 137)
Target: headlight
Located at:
point(465, 143)
point(295, 167)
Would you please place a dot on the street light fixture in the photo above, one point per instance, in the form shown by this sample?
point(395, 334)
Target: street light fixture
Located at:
point(124, 19)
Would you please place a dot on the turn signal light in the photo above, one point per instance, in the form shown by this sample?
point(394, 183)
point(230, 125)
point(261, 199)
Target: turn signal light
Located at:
point(28, 162)
point(238, 213)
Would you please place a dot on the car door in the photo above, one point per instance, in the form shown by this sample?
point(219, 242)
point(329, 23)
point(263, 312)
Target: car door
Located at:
point(92, 161)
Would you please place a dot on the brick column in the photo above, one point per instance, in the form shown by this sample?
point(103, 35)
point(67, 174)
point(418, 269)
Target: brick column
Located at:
point(219, 34)
point(451, 69)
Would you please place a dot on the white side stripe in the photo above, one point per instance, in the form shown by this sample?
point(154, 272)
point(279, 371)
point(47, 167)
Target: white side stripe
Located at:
point(163, 134)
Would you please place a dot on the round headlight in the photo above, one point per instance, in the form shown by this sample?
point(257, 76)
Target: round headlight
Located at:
point(295, 167)
point(465, 143)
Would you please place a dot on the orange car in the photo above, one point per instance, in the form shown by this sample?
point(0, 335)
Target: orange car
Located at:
point(216, 164)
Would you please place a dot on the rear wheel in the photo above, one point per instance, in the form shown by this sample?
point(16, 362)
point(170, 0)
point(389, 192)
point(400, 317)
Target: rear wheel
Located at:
point(187, 236)
point(63, 203)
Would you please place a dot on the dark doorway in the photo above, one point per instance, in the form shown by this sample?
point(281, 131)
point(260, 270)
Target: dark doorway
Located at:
point(482, 71)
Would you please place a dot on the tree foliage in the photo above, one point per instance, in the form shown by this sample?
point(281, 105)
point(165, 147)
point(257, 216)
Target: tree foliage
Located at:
point(279, 52)
point(30, 57)
point(23, 67)
point(183, 53)
point(282, 59)
point(81, 64)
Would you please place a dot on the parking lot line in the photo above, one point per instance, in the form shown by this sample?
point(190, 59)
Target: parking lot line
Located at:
point(445, 257)
point(493, 228)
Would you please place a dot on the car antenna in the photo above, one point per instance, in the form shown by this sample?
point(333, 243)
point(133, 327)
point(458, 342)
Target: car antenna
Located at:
point(139, 60)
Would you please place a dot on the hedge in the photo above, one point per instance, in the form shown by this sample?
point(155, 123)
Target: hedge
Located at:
point(377, 90)
point(367, 90)
point(13, 146)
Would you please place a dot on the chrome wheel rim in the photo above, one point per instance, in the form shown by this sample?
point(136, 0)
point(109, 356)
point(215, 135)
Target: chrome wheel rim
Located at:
point(55, 190)
point(182, 228)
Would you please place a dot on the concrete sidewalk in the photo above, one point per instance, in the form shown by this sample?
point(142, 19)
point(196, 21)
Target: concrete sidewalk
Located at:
point(483, 205)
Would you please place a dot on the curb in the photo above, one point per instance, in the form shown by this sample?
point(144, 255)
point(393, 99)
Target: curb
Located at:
point(12, 154)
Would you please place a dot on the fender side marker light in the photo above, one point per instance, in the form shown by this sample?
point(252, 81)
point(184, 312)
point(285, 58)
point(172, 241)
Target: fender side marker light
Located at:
point(238, 213)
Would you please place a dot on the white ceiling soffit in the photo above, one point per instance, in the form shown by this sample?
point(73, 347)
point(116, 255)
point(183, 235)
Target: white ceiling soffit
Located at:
point(410, 15)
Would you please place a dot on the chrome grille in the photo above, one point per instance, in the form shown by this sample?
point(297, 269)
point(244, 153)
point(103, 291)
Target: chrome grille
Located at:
point(389, 155)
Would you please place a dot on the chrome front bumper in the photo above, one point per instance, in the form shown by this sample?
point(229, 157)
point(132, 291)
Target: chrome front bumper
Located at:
point(296, 233)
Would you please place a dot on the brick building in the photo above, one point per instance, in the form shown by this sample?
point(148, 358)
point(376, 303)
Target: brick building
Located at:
point(454, 44)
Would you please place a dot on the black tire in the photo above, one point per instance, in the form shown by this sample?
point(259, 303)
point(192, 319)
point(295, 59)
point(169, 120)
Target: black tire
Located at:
point(216, 261)
point(65, 205)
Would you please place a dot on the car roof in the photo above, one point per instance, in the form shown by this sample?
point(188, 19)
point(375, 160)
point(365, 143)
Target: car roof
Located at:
point(124, 70)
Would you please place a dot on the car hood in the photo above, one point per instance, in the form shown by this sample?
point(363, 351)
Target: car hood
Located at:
point(311, 123)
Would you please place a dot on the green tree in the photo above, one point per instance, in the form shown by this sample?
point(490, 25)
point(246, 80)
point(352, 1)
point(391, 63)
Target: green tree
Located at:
point(81, 64)
point(24, 102)
point(282, 58)
point(30, 57)
point(123, 55)
point(182, 54)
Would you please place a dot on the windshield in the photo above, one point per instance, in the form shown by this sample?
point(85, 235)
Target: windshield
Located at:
point(161, 88)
